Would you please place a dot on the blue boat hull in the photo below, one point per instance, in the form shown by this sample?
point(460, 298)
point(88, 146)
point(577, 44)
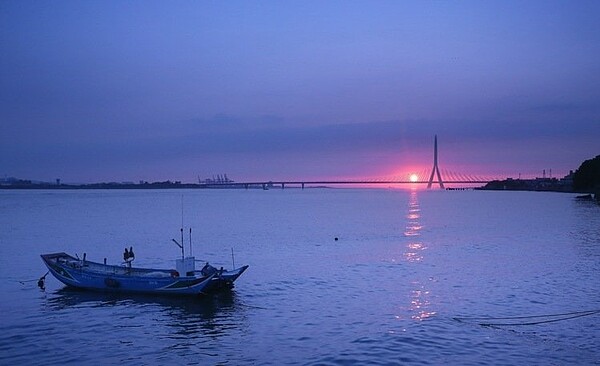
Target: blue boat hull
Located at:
point(100, 277)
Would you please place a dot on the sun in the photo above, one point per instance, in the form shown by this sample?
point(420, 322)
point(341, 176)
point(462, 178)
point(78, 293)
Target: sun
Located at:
point(413, 178)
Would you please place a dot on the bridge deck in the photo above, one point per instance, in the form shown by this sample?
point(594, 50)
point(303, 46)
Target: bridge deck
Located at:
point(283, 183)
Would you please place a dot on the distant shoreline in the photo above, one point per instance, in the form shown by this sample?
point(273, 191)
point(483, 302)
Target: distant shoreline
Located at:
point(157, 185)
point(154, 185)
point(171, 186)
point(531, 185)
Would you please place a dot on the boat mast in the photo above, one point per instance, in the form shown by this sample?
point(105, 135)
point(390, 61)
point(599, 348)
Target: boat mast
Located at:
point(182, 255)
point(181, 230)
point(191, 253)
point(182, 250)
point(180, 245)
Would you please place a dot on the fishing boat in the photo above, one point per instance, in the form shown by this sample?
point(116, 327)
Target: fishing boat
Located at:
point(183, 280)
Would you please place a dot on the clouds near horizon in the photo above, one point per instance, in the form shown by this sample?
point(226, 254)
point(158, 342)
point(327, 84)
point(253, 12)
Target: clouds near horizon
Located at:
point(112, 90)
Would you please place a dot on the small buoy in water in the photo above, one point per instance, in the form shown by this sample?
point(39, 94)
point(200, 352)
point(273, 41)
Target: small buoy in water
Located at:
point(336, 238)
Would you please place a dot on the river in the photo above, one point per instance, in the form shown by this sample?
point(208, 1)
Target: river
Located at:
point(409, 271)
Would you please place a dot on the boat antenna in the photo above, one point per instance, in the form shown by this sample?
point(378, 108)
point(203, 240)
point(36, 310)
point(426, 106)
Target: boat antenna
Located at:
point(191, 254)
point(232, 259)
point(182, 251)
point(181, 229)
point(181, 216)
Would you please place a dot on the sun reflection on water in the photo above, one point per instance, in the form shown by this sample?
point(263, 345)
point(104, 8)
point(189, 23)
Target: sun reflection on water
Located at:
point(419, 297)
point(413, 230)
point(420, 303)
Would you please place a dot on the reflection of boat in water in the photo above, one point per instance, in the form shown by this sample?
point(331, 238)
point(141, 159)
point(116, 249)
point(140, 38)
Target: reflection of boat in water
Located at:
point(185, 280)
point(195, 317)
point(68, 297)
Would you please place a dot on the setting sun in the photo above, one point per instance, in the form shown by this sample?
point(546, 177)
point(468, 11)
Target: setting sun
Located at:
point(414, 177)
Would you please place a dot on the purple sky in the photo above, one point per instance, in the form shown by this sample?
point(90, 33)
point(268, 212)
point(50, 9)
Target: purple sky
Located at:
point(143, 90)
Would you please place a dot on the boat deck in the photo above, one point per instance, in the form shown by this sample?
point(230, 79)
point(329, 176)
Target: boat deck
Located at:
point(67, 260)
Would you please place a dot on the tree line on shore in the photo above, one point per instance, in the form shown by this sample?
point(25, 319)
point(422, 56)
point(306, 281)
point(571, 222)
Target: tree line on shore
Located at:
point(587, 177)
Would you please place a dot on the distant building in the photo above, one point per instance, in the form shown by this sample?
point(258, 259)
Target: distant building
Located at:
point(567, 180)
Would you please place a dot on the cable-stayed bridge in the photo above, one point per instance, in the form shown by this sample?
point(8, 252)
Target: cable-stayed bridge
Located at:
point(453, 178)
point(437, 176)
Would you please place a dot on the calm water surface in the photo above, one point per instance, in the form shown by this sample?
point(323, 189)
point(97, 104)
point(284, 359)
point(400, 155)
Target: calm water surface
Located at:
point(386, 293)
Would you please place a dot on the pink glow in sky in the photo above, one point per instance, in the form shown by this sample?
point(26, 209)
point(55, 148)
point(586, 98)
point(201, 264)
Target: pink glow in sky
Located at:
point(117, 91)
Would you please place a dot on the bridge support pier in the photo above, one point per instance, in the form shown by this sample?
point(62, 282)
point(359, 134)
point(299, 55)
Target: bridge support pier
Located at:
point(302, 186)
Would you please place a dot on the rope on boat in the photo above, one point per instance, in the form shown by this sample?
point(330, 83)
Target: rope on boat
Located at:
point(42, 281)
point(526, 320)
point(22, 282)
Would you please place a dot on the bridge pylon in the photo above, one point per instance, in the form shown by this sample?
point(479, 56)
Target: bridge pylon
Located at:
point(436, 169)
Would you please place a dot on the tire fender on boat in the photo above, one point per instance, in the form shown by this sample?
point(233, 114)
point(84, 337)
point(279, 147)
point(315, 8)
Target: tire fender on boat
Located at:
point(174, 274)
